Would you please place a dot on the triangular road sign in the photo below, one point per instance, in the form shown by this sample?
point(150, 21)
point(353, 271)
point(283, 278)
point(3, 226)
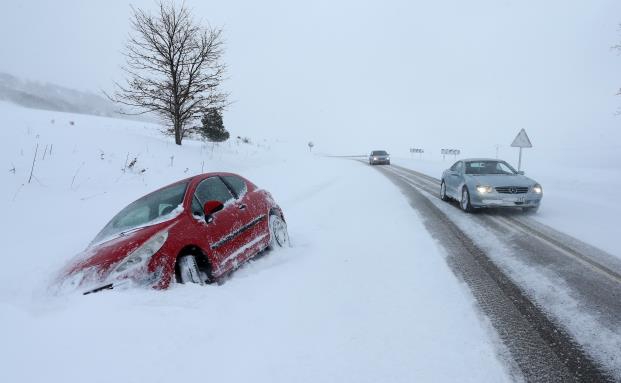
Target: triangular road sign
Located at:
point(521, 140)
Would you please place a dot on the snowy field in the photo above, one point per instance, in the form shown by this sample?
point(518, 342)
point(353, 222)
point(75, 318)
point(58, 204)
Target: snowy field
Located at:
point(579, 198)
point(364, 294)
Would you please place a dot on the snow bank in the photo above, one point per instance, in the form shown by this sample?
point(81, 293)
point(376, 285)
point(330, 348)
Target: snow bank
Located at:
point(364, 294)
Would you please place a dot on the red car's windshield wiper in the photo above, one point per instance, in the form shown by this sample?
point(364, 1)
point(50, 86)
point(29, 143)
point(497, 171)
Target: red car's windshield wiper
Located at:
point(128, 231)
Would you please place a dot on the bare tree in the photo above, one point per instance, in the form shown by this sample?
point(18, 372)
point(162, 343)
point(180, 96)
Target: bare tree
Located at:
point(173, 68)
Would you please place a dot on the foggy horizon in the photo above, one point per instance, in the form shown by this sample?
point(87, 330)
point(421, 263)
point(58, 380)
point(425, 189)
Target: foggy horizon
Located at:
point(352, 76)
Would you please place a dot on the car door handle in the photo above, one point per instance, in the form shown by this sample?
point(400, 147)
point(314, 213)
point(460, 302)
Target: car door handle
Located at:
point(241, 206)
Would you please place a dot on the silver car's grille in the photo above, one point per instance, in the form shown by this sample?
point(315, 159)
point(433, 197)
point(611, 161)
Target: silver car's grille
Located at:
point(512, 189)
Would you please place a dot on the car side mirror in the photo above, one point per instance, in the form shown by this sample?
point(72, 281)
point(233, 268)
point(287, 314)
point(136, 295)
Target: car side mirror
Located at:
point(521, 172)
point(211, 207)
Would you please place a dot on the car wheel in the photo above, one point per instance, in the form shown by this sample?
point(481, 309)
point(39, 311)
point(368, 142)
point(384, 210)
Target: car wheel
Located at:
point(443, 195)
point(188, 270)
point(530, 210)
point(465, 201)
point(279, 236)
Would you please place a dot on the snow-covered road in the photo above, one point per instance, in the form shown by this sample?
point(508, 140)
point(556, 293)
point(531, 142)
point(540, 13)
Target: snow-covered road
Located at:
point(563, 293)
point(579, 200)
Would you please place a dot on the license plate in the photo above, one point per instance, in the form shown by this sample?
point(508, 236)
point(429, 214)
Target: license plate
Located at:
point(520, 199)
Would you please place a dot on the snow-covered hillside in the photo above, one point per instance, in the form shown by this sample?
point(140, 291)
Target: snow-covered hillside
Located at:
point(47, 96)
point(364, 294)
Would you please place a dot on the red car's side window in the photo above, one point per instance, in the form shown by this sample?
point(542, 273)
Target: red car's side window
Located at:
point(212, 189)
point(197, 209)
point(236, 184)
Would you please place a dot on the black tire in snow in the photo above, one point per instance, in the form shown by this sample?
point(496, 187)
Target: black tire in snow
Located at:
point(189, 271)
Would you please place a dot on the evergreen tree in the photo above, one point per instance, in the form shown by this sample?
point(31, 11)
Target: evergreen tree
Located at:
point(213, 128)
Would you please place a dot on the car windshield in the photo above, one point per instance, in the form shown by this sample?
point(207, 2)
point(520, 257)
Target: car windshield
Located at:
point(379, 153)
point(147, 210)
point(489, 167)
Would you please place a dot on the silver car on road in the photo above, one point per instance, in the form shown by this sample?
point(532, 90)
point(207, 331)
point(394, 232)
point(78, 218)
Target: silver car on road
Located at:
point(483, 183)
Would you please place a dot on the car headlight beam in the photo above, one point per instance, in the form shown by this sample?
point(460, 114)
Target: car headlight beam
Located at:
point(485, 189)
point(537, 189)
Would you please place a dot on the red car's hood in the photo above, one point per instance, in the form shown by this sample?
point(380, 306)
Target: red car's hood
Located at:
point(100, 258)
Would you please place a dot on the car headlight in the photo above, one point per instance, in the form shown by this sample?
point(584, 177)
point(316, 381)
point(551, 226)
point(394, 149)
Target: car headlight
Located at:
point(142, 254)
point(485, 189)
point(537, 189)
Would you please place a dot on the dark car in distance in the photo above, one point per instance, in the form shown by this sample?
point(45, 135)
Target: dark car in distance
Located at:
point(379, 157)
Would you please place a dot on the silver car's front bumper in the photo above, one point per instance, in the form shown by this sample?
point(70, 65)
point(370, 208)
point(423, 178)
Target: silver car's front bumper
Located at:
point(505, 200)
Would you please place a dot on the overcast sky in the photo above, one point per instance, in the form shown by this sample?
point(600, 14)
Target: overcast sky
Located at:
point(354, 75)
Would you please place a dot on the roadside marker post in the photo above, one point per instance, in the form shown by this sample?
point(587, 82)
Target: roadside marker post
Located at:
point(521, 141)
point(417, 150)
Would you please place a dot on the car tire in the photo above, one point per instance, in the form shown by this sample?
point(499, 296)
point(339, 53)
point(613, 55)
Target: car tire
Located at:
point(464, 203)
point(443, 195)
point(530, 210)
point(189, 271)
point(279, 236)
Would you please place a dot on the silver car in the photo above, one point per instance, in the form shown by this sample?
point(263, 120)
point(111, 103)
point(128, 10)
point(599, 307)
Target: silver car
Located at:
point(379, 157)
point(483, 182)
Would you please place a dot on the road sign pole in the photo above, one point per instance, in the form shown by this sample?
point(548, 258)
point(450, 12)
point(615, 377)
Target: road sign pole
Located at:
point(521, 141)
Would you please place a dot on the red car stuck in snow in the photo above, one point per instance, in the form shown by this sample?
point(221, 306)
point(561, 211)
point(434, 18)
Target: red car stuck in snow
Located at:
point(192, 231)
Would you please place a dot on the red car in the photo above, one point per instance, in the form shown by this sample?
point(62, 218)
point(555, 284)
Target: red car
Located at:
point(193, 231)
